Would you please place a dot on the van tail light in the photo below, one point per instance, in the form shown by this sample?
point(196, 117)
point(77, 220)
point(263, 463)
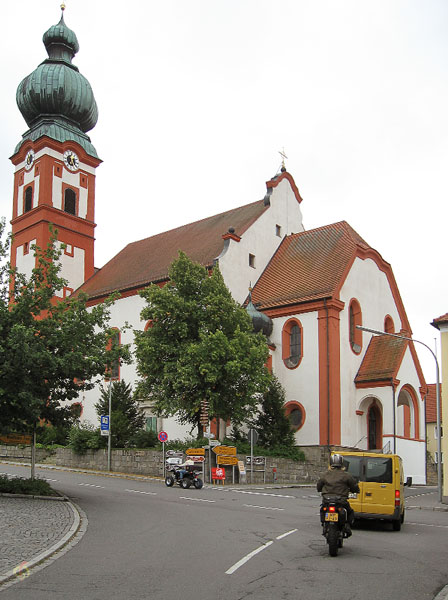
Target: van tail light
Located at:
point(397, 497)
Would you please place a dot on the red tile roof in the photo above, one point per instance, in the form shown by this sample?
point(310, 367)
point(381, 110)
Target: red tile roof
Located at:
point(430, 404)
point(308, 266)
point(381, 360)
point(440, 320)
point(146, 261)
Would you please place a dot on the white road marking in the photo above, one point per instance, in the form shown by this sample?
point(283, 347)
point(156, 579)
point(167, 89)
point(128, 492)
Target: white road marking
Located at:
point(91, 485)
point(426, 525)
point(264, 507)
point(244, 560)
point(280, 537)
point(263, 494)
point(195, 499)
point(140, 492)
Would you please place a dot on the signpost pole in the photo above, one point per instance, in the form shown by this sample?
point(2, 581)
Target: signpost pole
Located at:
point(163, 437)
point(109, 438)
point(209, 454)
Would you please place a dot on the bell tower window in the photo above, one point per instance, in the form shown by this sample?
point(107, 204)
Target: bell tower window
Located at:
point(70, 201)
point(28, 199)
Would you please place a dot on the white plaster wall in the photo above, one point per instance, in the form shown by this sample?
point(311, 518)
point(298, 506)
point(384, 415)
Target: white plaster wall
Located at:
point(72, 267)
point(370, 287)
point(28, 178)
point(56, 193)
point(414, 460)
point(302, 383)
point(128, 310)
point(261, 241)
point(25, 263)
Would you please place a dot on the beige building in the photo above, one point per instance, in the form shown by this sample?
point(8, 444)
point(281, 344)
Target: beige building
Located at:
point(441, 323)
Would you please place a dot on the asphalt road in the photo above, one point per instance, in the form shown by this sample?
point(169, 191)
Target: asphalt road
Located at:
point(146, 541)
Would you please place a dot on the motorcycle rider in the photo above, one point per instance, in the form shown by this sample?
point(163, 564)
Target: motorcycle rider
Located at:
point(185, 468)
point(337, 482)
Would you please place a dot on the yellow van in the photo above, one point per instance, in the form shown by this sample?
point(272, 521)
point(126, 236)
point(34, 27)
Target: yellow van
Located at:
point(381, 484)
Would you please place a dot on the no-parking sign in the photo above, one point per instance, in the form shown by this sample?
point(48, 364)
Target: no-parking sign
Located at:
point(163, 436)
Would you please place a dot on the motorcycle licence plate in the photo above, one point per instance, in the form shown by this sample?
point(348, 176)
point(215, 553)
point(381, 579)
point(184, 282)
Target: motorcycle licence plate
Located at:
point(331, 516)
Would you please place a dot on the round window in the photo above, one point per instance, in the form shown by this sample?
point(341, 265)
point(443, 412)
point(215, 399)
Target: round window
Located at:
point(295, 418)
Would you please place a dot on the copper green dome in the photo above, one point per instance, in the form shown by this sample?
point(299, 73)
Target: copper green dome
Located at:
point(260, 321)
point(55, 99)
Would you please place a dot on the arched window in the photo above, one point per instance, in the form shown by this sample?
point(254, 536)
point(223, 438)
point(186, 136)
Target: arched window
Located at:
point(70, 201)
point(389, 326)
point(295, 413)
point(28, 199)
point(374, 427)
point(292, 343)
point(355, 318)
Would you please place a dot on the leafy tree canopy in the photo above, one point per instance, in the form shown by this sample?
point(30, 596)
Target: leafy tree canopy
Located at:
point(50, 351)
point(271, 423)
point(200, 346)
point(127, 418)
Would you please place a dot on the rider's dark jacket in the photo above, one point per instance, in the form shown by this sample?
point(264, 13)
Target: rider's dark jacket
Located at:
point(337, 482)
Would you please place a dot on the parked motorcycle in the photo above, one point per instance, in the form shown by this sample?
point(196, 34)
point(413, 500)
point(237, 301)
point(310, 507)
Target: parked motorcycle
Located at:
point(189, 478)
point(334, 519)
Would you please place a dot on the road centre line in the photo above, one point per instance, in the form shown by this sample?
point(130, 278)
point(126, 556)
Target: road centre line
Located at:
point(263, 494)
point(280, 537)
point(263, 507)
point(140, 492)
point(196, 499)
point(92, 485)
point(246, 558)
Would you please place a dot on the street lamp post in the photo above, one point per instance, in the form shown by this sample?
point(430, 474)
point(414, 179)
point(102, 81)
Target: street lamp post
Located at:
point(439, 446)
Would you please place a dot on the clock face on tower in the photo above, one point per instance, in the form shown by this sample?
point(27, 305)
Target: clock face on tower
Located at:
point(29, 159)
point(71, 160)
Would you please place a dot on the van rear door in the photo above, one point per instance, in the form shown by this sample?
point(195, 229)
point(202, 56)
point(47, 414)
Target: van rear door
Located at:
point(378, 493)
point(353, 464)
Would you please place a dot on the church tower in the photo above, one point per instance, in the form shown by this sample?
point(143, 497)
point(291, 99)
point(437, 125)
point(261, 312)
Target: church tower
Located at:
point(55, 162)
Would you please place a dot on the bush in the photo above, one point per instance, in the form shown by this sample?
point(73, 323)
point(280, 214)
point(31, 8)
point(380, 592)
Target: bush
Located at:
point(243, 447)
point(85, 437)
point(33, 487)
point(144, 439)
point(47, 435)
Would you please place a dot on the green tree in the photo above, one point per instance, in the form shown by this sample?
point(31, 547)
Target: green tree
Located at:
point(50, 351)
point(273, 427)
point(127, 418)
point(200, 346)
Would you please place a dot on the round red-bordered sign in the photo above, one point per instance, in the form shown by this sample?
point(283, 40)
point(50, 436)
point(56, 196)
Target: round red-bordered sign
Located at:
point(163, 436)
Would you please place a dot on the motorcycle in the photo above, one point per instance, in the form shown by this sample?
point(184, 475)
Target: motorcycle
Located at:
point(189, 478)
point(334, 519)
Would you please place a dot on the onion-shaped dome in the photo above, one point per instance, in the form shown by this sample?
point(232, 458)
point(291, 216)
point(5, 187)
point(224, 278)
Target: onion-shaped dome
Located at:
point(55, 99)
point(260, 321)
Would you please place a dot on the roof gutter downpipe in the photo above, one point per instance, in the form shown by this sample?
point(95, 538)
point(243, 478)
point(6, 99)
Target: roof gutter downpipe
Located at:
point(393, 414)
point(328, 375)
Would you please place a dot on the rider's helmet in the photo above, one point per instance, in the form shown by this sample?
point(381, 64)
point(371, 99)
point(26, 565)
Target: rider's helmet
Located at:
point(336, 461)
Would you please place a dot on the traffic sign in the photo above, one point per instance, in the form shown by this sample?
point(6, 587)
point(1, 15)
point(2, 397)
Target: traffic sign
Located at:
point(225, 450)
point(227, 460)
point(253, 437)
point(163, 436)
point(104, 420)
point(197, 459)
point(195, 451)
point(218, 473)
point(209, 435)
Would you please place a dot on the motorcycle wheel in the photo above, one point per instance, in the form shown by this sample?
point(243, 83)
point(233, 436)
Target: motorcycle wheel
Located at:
point(333, 539)
point(185, 483)
point(198, 484)
point(169, 481)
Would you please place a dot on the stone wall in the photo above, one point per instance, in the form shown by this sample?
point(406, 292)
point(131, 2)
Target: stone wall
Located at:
point(149, 462)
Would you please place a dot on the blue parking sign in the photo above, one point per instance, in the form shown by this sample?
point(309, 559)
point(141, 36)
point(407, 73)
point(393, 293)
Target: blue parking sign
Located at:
point(104, 425)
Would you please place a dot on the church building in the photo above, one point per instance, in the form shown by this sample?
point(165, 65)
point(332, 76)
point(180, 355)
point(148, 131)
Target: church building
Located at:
point(311, 289)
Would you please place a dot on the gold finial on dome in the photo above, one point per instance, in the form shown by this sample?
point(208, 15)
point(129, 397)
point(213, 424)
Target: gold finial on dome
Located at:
point(63, 6)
